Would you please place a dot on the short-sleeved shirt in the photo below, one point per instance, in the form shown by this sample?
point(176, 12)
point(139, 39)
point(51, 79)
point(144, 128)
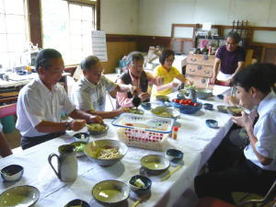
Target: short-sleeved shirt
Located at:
point(88, 96)
point(36, 103)
point(265, 132)
point(168, 77)
point(229, 60)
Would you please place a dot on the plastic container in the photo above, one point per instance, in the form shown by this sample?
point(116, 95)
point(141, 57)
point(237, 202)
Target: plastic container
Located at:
point(174, 132)
point(145, 132)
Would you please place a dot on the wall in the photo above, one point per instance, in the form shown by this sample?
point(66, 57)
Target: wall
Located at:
point(119, 16)
point(156, 16)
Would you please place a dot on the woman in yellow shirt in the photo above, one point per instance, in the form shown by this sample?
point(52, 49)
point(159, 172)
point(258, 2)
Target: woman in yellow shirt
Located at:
point(168, 73)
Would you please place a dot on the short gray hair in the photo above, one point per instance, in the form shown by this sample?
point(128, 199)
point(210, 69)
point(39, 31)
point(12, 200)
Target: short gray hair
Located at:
point(89, 62)
point(235, 36)
point(134, 56)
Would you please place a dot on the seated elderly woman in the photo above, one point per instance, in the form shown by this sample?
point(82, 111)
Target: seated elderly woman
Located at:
point(168, 73)
point(89, 93)
point(136, 76)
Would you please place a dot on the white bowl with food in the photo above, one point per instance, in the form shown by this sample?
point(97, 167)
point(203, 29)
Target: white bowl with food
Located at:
point(105, 152)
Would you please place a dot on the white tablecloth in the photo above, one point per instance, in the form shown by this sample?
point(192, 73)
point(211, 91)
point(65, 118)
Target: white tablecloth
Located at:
point(195, 139)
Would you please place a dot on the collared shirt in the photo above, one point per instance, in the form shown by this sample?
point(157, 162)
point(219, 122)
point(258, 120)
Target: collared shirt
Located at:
point(37, 103)
point(88, 96)
point(168, 77)
point(265, 132)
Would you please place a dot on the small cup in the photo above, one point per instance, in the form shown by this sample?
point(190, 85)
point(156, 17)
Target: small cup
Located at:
point(212, 123)
point(220, 96)
point(146, 105)
point(12, 173)
point(83, 137)
point(208, 106)
point(139, 190)
point(77, 202)
point(174, 155)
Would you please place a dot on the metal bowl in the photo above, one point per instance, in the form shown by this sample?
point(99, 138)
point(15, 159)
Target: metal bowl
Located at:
point(110, 192)
point(93, 150)
point(24, 195)
point(103, 130)
point(12, 173)
point(155, 164)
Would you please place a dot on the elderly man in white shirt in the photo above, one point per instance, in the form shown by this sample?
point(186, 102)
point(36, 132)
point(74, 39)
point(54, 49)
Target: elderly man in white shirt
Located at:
point(257, 171)
point(42, 102)
point(89, 93)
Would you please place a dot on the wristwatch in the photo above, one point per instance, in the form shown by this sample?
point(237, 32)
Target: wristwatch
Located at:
point(68, 125)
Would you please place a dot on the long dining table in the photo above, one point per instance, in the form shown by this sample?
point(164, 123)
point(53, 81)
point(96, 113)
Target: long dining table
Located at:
point(195, 140)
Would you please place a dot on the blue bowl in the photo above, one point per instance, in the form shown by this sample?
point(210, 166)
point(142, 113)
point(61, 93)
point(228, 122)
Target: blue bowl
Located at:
point(187, 109)
point(212, 123)
point(220, 96)
point(208, 106)
point(174, 155)
point(146, 105)
point(77, 202)
point(139, 190)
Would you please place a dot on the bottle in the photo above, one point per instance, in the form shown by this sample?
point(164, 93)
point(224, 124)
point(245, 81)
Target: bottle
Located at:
point(174, 132)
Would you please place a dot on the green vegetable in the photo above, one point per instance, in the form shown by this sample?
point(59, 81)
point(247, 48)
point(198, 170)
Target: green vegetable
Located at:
point(96, 127)
point(139, 183)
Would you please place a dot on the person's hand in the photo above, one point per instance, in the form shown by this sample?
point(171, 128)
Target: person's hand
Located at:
point(244, 120)
point(228, 82)
point(159, 81)
point(135, 90)
point(95, 119)
point(77, 124)
point(144, 96)
point(212, 80)
point(124, 109)
point(174, 84)
point(189, 82)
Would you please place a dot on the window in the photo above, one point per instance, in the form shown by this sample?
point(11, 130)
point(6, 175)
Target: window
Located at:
point(67, 27)
point(13, 32)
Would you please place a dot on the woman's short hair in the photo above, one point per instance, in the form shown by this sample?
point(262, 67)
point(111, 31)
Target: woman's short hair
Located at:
point(89, 62)
point(235, 36)
point(261, 76)
point(44, 56)
point(133, 57)
point(165, 54)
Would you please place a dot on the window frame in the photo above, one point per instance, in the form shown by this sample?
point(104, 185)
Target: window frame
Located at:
point(35, 21)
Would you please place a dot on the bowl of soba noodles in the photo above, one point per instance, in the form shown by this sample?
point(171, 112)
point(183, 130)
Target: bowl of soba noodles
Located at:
point(105, 152)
